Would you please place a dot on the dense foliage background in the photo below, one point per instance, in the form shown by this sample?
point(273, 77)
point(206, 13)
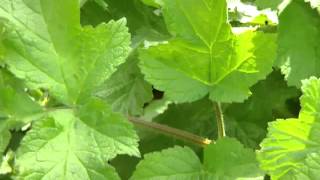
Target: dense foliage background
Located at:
point(160, 89)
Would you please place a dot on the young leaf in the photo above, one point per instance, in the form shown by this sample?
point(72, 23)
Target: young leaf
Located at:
point(292, 147)
point(202, 59)
point(50, 49)
point(299, 57)
point(66, 146)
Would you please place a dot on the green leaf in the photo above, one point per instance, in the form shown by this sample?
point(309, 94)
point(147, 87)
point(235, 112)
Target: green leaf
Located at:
point(5, 136)
point(173, 163)
point(139, 16)
point(210, 59)
point(248, 121)
point(126, 89)
point(264, 4)
point(51, 50)
point(227, 159)
point(299, 57)
point(16, 107)
point(112, 127)
point(153, 3)
point(292, 147)
point(16, 104)
point(155, 108)
point(64, 146)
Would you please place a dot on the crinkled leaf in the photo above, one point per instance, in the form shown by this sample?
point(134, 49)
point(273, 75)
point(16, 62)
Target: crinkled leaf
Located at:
point(126, 89)
point(292, 147)
point(47, 46)
point(64, 146)
point(206, 59)
point(298, 42)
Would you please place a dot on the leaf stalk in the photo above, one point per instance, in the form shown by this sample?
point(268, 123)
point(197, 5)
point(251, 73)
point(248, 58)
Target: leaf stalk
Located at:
point(170, 131)
point(219, 119)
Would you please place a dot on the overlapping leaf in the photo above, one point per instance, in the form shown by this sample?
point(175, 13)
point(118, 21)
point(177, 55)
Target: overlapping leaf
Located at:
point(298, 42)
point(227, 159)
point(47, 46)
point(202, 59)
point(66, 145)
point(16, 107)
point(292, 147)
point(248, 121)
point(126, 89)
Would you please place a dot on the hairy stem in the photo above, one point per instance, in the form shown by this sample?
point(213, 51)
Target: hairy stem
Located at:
point(180, 134)
point(219, 119)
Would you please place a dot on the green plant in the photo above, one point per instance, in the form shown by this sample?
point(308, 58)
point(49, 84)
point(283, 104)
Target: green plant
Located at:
point(159, 89)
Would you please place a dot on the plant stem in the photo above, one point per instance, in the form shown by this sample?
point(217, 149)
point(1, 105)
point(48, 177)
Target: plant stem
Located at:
point(219, 119)
point(180, 134)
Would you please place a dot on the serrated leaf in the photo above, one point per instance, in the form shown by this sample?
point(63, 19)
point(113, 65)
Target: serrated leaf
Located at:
point(227, 159)
point(64, 146)
point(299, 57)
point(50, 49)
point(210, 59)
point(126, 89)
point(173, 163)
point(292, 147)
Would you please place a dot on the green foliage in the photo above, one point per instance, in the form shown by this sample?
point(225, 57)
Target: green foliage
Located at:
point(291, 150)
point(298, 57)
point(146, 89)
point(201, 60)
point(54, 52)
point(248, 121)
point(227, 159)
point(126, 89)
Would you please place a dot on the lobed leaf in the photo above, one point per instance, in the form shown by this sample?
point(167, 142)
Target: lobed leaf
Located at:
point(47, 46)
point(210, 59)
point(292, 148)
point(226, 159)
point(76, 145)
